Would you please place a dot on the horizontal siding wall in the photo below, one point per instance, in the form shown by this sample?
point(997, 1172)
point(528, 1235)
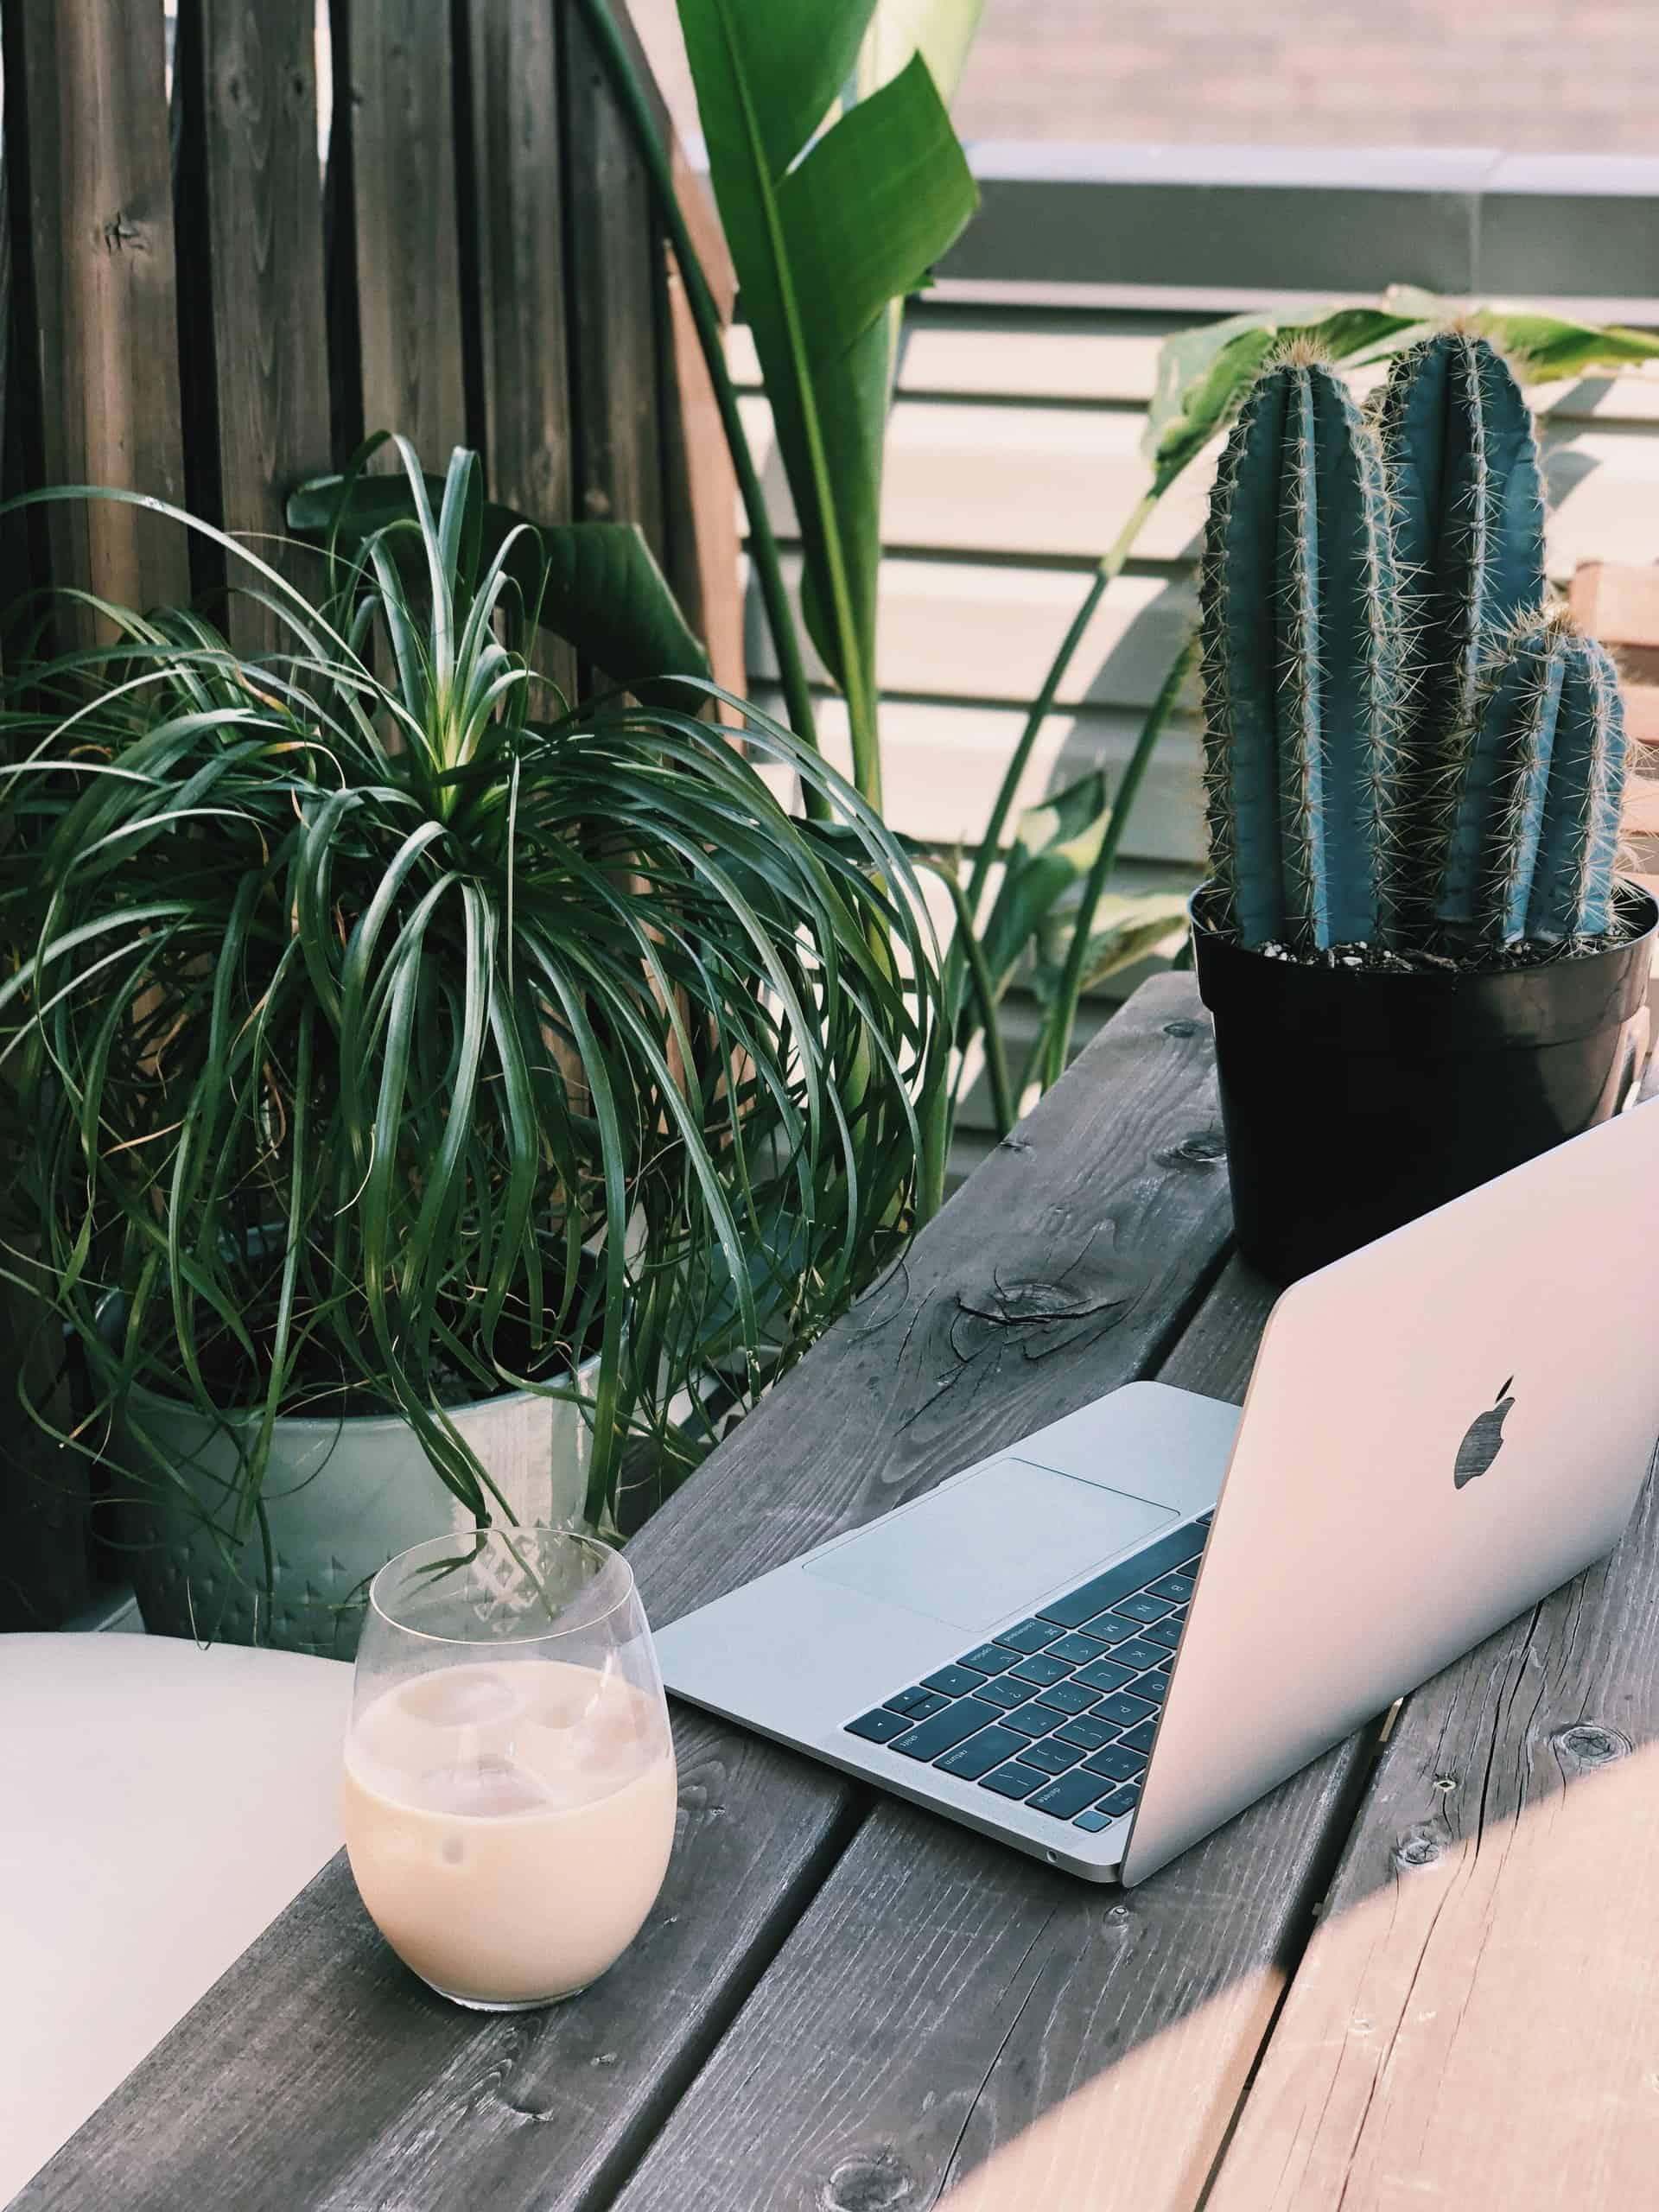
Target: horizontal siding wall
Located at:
point(1013, 461)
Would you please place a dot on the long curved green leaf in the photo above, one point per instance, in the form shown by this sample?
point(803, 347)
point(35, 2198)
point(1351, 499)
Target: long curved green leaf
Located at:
point(597, 583)
point(826, 229)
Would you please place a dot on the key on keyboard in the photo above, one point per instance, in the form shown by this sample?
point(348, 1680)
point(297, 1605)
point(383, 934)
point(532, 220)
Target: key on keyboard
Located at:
point(1042, 1694)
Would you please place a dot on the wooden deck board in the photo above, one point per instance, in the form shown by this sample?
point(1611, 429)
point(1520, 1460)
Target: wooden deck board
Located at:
point(1071, 1264)
point(951, 2026)
point(1473, 2026)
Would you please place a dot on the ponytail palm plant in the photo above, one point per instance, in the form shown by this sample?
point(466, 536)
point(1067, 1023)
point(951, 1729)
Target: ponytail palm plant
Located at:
point(377, 1036)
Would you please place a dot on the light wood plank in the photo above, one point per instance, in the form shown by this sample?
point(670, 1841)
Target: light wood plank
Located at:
point(953, 629)
point(100, 218)
point(1472, 2023)
point(262, 264)
point(1059, 482)
point(944, 764)
point(951, 2026)
point(398, 103)
point(1090, 359)
point(1066, 1269)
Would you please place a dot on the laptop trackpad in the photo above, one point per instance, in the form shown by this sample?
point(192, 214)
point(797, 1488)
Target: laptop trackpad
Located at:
point(1005, 1537)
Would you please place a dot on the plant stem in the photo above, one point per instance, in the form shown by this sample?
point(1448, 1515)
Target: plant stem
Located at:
point(996, 1066)
point(1111, 562)
point(763, 545)
point(1058, 1041)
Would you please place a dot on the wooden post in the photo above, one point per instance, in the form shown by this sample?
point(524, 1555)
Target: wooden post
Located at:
point(100, 228)
point(397, 99)
point(263, 233)
point(517, 239)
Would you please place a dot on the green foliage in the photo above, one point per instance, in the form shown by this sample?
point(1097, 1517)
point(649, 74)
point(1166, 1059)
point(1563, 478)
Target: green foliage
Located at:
point(1301, 668)
point(596, 584)
point(826, 227)
point(381, 1047)
point(1535, 827)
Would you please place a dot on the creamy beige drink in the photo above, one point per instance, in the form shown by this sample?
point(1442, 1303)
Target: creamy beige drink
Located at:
point(508, 1824)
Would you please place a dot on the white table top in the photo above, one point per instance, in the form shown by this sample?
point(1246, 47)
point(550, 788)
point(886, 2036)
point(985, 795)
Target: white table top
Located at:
point(158, 1805)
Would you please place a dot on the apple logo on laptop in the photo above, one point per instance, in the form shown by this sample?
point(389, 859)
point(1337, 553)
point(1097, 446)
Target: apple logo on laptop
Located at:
point(1484, 1439)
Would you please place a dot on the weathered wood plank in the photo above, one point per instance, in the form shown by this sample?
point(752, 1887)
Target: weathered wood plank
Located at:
point(398, 103)
point(1472, 2023)
point(616, 279)
point(518, 208)
point(950, 2024)
point(1064, 1269)
point(103, 298)
point(261, 235)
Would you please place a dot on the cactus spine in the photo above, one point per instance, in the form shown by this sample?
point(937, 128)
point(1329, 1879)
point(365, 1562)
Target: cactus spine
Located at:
point(1402, 746)
point(1302, 667)
point(1536, 823)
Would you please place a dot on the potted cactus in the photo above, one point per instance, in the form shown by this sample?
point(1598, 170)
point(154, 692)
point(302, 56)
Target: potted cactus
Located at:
point(1422, 966)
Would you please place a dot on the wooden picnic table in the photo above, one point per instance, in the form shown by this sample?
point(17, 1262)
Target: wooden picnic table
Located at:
point(1421, 1974)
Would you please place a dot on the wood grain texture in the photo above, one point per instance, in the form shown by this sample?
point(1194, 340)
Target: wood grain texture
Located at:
point(398, 103)
point(1472, 2025)
point(518, 247)
point(100, 225)
point(951, 2026)
point(263, 265)
point(329, 2074)
point(615, 264)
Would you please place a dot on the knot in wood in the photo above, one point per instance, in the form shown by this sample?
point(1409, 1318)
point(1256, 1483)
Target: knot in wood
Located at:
point(1180, 1029)
point(875, 2181)
point(1202, 1148)
point(1587, 1744)
point(1417, 1848)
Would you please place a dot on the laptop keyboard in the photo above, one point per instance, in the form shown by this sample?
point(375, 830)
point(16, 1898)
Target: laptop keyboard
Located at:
point(1058, 1711)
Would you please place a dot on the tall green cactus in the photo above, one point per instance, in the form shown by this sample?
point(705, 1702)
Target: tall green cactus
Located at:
point(1301, 667)
point(1469, 535)
point(1534, 822)
point(1402, 746)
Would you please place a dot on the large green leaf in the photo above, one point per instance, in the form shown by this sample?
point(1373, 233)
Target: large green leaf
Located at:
point(1543, 348)
point(825, 232)
point(1053, 849)
point(1126, 928)
point(596, 584)
point(941, 31)
point(1203, 374)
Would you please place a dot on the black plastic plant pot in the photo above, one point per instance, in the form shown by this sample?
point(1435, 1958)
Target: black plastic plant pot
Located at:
point(1354, 1101)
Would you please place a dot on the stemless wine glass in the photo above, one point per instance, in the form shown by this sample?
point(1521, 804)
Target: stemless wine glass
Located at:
point(510, 1781)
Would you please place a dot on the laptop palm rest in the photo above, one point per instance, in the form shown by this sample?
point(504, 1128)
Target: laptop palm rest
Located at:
point(989, 1545)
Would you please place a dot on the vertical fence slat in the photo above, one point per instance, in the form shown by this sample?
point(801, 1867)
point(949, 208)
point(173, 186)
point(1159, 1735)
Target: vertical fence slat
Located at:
point(517, 206)
point(264, 236)
point(700, 483)
point(399, 106)
point(615, 283)
point(100, 221)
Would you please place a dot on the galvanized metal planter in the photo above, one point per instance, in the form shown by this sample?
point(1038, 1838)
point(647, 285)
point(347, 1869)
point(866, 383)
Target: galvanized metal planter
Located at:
point(340, 1498)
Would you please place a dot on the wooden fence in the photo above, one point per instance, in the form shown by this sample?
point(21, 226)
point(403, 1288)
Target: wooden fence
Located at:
point(201, 305)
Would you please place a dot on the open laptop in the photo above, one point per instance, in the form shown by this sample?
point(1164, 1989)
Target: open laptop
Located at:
point(1102, 1642)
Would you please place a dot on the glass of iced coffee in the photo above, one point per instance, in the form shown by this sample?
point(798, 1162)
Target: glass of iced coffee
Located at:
point(510, 1784)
